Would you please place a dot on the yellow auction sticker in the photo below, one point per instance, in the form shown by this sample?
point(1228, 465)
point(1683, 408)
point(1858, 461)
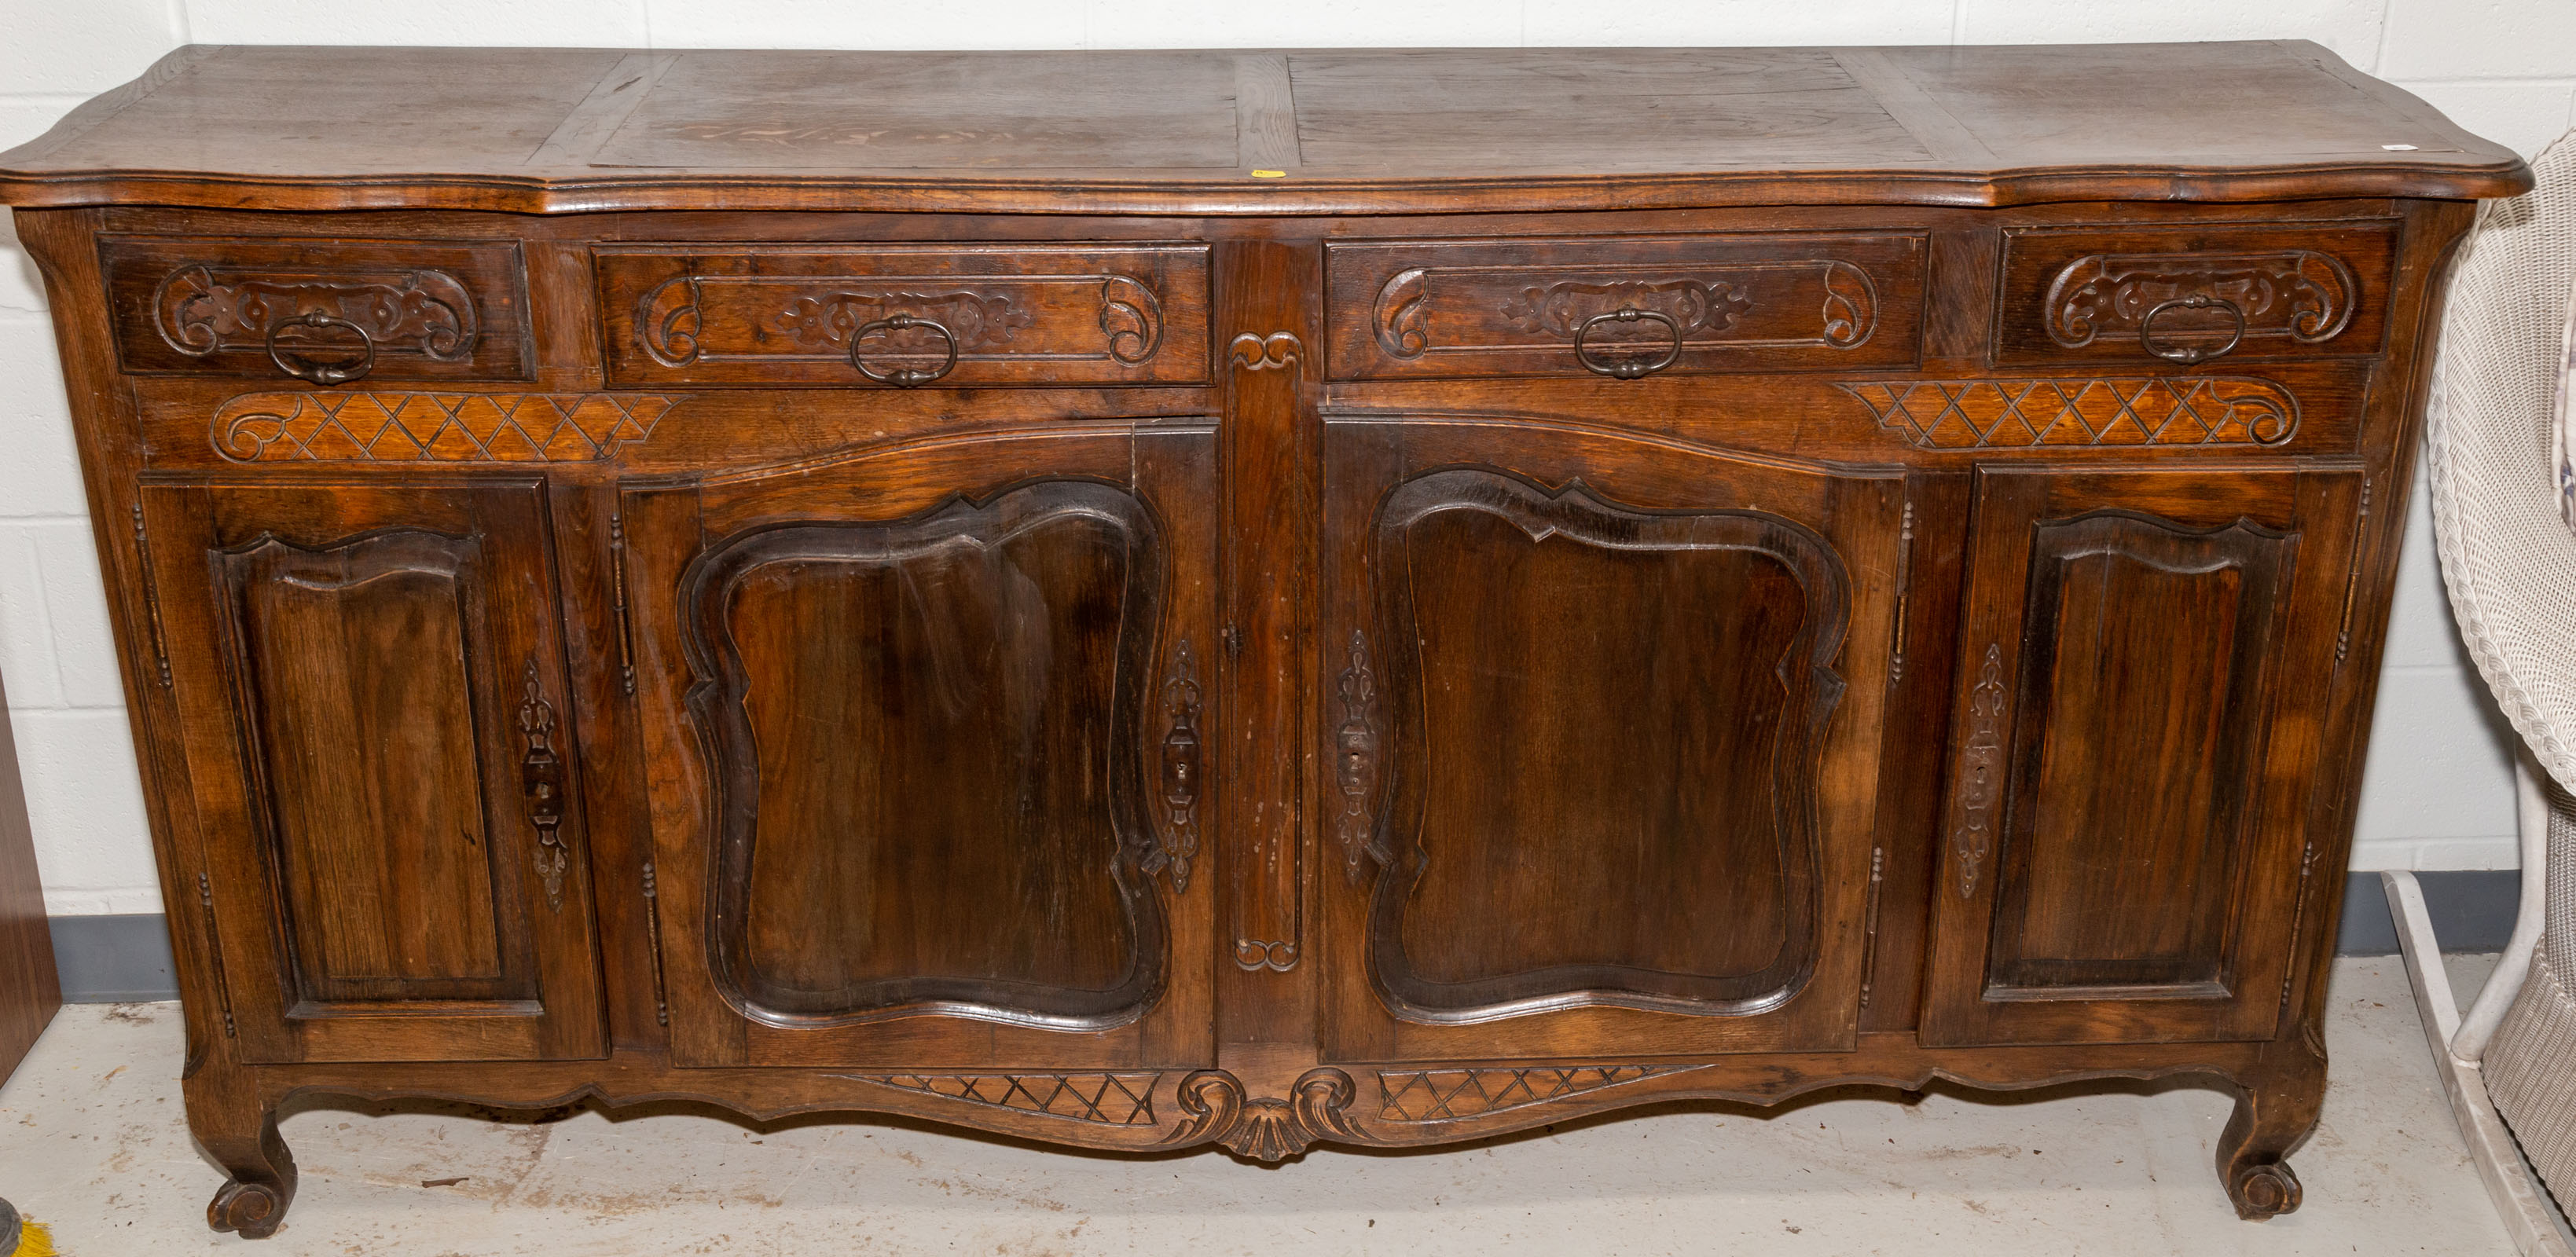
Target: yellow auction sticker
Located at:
point(1270, 174)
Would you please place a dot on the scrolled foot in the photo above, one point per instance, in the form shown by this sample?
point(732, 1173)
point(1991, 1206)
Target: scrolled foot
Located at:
point(251, 1210)
point(2264, 1191)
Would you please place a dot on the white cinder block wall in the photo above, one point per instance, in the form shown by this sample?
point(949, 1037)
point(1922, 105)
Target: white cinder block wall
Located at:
point(2438, 793)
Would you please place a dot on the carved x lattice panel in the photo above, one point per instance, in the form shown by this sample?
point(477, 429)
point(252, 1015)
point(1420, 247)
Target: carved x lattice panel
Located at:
point(433, 427)
point(1441, 1094)
point(1111, 1099)
point(2191, 410)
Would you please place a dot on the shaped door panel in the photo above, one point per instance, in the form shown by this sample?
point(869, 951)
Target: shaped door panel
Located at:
point(368, 680)
point(1596, 709)
point(2146, 659)
point(911, 801)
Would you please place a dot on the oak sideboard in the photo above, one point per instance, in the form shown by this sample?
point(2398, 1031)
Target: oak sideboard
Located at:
point(1255, 598)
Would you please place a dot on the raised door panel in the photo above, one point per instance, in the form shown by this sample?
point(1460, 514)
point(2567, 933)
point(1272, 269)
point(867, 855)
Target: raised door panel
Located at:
point(1602, 714)
point(2146, 663)
point(368, 684)
point(930, 790)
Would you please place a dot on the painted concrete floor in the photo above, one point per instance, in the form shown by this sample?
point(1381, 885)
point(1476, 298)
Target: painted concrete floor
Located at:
point(92, 1142)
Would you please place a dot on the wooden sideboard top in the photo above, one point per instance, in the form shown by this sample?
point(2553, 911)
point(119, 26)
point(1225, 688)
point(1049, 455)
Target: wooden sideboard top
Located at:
point(1184, 132)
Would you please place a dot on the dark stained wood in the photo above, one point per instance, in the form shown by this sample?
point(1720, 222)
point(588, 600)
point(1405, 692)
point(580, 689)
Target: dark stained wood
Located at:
point(2319, 289)
point(2141, 648)
point(925, 679)
point(30, 990)
point(1269, 691)
point(371, 704)
point(1024, 315)
point(398, 310)
point(1166, 132)
point(1724, 304)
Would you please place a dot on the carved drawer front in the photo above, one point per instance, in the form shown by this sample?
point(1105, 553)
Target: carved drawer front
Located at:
point(2190, 295)
point(326, 312)
point(905, 315)
point(1623, 308)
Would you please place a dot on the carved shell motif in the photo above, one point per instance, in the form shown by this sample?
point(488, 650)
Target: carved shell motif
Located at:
point(1214, 1108)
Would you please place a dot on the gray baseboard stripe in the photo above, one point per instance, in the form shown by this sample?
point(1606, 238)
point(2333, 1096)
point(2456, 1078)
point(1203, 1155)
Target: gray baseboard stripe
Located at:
point(2471, 911)
point(114, 960)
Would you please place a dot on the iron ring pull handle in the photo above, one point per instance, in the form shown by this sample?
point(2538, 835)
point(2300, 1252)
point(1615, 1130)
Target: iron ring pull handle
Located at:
point(2190, 353)
point(303, 368)
point(1628, 368)
point(903, 377)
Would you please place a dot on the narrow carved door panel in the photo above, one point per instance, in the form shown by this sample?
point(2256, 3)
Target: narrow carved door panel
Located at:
point(930, 788)
point(2146, 662)
point(1603, 720)
point(370, 692)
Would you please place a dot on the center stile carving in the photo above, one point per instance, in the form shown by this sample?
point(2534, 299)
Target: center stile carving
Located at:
point(541, 779)
point(1981, 769)
point(1181, 770)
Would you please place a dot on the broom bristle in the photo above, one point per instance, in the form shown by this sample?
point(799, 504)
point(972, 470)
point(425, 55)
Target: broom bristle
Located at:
point(33, 1241)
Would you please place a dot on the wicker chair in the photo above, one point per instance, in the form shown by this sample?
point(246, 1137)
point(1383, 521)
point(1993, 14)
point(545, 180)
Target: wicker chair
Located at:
point(2502, 491)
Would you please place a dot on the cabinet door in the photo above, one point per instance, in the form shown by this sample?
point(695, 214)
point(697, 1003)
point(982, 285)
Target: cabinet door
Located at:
point(923, 732)
point(370, 689)
point(1603, 718)
point(2142, 687)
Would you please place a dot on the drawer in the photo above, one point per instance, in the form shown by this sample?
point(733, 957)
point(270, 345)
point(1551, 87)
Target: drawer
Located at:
point(326, 311)
point(1639, 305)
point(914, 314)
point(2190, 294)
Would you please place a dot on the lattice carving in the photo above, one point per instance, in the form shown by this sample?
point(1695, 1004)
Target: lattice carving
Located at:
point(433, 427)
point(1440, 1095)
point(1105, 1098)
point(1989, 414)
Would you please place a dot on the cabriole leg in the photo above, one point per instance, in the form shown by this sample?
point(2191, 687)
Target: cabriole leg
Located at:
point(238, 1130)
point(2275, 1111)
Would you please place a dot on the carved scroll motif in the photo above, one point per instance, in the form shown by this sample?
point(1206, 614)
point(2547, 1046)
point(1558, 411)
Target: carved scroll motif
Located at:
point(708, 318)
point(1441, 1095)
point(2298, 293)
point(1980, 772)
point(2029, 413)
point(978, 320)
point(1745, 305)
point(1693, 305)
point(1268, 1129)
point(1181, 770)
point(1104, 1098)
point(1133, 318)
point(1255, 954)
point(1355, 757)
point(338, 426)
point(203, 309)
point(541, 780)
point(1275, 352)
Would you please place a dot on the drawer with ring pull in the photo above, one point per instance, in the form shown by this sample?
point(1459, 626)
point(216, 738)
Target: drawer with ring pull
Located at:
point(1623, 308)
point(2188, 295)
point(903, 316)
point(323, 311)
